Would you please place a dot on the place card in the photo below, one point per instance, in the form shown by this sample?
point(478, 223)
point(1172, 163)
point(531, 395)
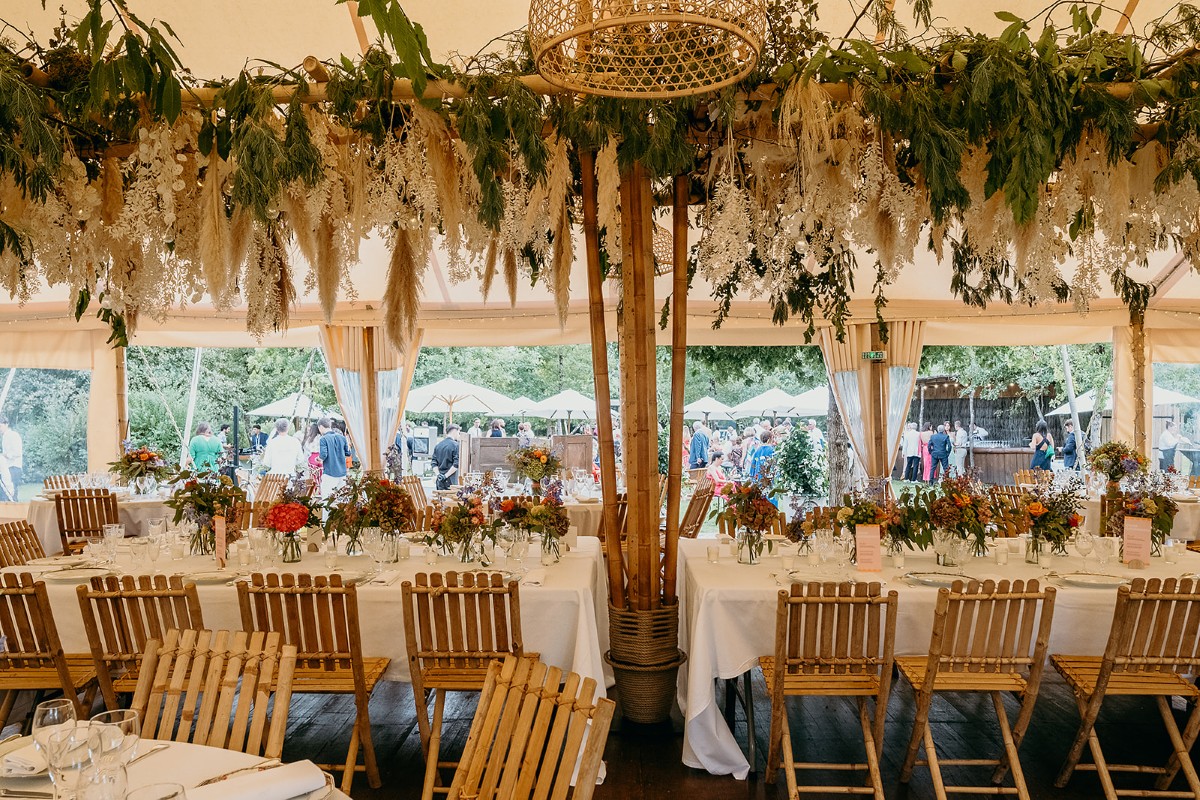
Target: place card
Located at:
point(219, 535)
point(1136, 551)
point(869, 553)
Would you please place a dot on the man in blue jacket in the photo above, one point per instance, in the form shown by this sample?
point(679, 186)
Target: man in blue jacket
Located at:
point(1070, 448)
point(334, 452)
point(698, 450)
point(940, 448)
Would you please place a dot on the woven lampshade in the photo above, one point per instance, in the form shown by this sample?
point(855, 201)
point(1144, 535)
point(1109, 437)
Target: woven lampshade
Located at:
point(664, 250)
point(645, 48)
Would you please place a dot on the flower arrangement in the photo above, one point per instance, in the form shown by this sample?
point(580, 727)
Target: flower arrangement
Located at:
point(286, 516)
point(749, 510)
point(1117, 460)
point(1147, 497)
point(861, 510)
point(1053, 513)
point(198, 498)
point(908, 519)
point(961, 505)
point(141, 462)
point(534, 462)
point(386, 505)
point(456, 526)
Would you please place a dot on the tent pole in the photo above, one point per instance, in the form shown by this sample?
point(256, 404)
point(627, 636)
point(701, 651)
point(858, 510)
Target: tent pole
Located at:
point(678, 373)
point(877, 410)
point(12, 373)
point(1138, 346)
point(191, 409)
point(1069, 380)
point(122, 397)
point(371, 457)
point(604, 423)
point(639, 406)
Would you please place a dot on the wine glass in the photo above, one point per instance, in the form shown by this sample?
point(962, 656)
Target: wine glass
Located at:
point(69, 751)
point(153, 551)
point(106, 779)
point(1105, 549)
point(118, 732)
point(1085, 543)
point(156, 526)
point(49, 717)
point(823, 541)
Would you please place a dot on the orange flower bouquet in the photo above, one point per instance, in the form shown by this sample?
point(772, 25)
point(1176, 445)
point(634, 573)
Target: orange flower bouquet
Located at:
point(534, 462)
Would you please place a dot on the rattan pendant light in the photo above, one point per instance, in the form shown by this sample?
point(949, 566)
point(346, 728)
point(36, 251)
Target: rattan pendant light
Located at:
point(645, 48)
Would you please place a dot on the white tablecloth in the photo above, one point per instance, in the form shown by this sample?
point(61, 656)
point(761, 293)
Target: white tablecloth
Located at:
point(133, 512)
point(182, 763)
point(1187, 520)
point(585, 517)
point(565, 619)
point(727, 620)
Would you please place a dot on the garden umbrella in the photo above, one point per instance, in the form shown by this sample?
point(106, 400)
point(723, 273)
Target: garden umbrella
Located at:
point(294, 405)
point(813, 403)
point(564, 405)
point(1087, 401)
point(771, 403)
point(706, 407)
point(451, 394)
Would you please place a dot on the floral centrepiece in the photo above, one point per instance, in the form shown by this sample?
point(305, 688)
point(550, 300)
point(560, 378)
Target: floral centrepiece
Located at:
point(199, 498)
point(963, 507)
point(287, 516)
point(1053, 513)
point(1147, 497)
point(456, 527)
point(534, 463)
point(1117, 460)
point(751, 513)
point(545, 516)
point(141, 462)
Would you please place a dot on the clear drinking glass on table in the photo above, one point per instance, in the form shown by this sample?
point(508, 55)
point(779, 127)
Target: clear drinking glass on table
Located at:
point(1105, 547)
point(49, 717)
point(105, 779)
point(118, 731)
point(1085, 543)
point(823, 543)
point(69, 751)
point(139, 553)
point(156, 526)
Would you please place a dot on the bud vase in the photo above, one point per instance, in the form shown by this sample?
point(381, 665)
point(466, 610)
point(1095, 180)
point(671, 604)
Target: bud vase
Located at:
point(749, 547)
point(291, 550)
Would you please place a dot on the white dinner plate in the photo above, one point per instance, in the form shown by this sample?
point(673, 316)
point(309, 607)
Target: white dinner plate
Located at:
point(1091, 580)
point(57, 561)
point(76, 574)
point(14, 745)
point(587, 500)
point(210, 576)
point(939, 579)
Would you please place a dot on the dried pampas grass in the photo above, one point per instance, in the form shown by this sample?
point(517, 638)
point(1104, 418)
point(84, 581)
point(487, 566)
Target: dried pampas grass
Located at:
point(608, 199)
point(560, 276)
point(328, 266)
point(510, 274)
point(489, 265)
point(402, 292)
point(294, 204)
point(215, 239)
point(443, 166)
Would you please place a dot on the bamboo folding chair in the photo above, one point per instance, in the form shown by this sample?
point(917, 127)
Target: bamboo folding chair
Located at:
point(34, 659)
point(215, 689)
point(121, 614)
point(412, 485)
point(823, 516)
point(831, 640)
point(1010, 520)
point(983, 642)
point(454, 626)
point(622, 503)
point(56, 482)
point(696, 475)
point(534, 730)
point(269, 489)
point(319, 616)
point(1194, 481)
point(695, 512)
point(82, 515)
point(1152, 644)
point(19, 543)
point(1032, 477)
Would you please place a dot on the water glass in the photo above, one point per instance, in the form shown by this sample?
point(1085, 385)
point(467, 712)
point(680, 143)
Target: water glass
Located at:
point(331, 555)
point(1170, 554)
point(156, 526)
point(106, 779)
point(1106, 548)
point(179, 546)
point(49, 717)
point(118, 731)
point(139, 553)
point(157, 791)
point(714, 553)
point(69, 751)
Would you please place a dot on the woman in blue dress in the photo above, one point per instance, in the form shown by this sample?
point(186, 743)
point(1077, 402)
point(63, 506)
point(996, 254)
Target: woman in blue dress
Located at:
point(1043, 447)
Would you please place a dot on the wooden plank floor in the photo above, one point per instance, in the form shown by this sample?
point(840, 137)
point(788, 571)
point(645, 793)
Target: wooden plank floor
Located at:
point(645, 763)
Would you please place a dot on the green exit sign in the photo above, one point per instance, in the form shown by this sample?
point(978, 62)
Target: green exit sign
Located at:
point(874, 355)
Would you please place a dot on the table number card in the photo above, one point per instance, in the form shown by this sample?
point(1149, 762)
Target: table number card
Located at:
point(1137, 542)
point(869, 551)
point(219, 535)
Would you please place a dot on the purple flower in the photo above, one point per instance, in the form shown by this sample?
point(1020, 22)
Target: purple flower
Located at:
point(1130, 465)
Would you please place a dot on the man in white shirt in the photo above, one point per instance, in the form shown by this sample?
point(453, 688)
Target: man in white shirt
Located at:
point(475, 431)
point(814, 433)
point(1168, 440)
point(960, 447)
point(14, 454)
point(911, 441)
point(283, 454)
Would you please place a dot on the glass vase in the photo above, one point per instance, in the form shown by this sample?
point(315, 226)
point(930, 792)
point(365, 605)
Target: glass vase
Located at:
point(1033, 550)
point(203, 541)
point(749, 547)
point(551, 550)
point(291, 552)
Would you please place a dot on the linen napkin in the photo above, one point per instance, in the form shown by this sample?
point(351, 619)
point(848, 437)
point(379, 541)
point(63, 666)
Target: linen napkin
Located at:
point(23, 763)
point(535, 577)
point(280, 783)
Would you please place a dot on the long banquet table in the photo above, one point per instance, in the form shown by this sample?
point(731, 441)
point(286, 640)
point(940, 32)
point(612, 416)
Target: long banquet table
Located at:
point(727, 620)
point(565, 619)
point(1186, 527)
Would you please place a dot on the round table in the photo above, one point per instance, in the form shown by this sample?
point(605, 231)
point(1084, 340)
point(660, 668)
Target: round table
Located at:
point(133, 513)
point(182, 763)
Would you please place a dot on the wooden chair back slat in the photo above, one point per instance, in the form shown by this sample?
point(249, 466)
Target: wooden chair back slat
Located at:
point(270, 488)
point(215, 689)
point(823, 516)
point(82, 515)
point(56, 482)
point(990, 627)
point(460, 620)
point(19, 543)
point(1155, 627)
point(412, 485)
point(318, 615)
point(27, 623)
point(121, 614)
point(535, 732)
point(697, 510)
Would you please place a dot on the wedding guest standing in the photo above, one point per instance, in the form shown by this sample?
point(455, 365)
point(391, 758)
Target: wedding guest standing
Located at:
point(282, 454)
point(445, 459)
point(961, 438)
point(311, 444)
point(940, 448)
point(926, 456)
point(205, 449)
point(1168, 441)
point(13, 449)
point(1070, 448)
point(258, 439)
point(335, 454)
point(698, 449)
point(1042, 445)
point(497, 428)
point(912, 452)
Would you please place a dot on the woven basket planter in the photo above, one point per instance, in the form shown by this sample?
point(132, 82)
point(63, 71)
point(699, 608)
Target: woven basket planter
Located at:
point(646, 692)
point(644, 637)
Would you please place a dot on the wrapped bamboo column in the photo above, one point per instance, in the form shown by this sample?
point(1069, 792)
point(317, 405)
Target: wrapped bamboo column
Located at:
point(608, 456)
point(639, 423)
point(122, 398)
point(372, 458)
point(678, 373)
point(875, 407)
point(1137, 331)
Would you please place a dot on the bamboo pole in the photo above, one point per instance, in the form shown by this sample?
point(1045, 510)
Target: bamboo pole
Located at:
point(875, 408)
point(678, 373)
point(372, 457)
point(122, 398)
point(191, 408)
point(1069, 380)
point(639, 422)
point(315, 69)
point(1137, 325)
point(608, 454)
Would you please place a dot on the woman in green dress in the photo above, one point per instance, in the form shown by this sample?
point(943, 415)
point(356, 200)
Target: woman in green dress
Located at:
point(204, 449)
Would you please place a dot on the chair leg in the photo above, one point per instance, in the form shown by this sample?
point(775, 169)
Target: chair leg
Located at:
point(789, 760)
point(1182, 750)
point(864, 720)
point(362, 726)
point(6, 706)
point(351, 761)
point(751, 741)
point(1010, 749)
point(919, 725)
point(421, 697)
point(1190, 732)
point(435, 745)
point(935, 770)
point(1087, 720)
point(773, 743)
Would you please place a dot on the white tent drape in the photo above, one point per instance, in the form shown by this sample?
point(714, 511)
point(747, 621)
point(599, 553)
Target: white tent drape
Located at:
point(905, 342)
point(359, 358)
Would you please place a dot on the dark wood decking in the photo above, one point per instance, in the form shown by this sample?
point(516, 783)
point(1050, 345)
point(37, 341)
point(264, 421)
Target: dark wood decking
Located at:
point(644, 764)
